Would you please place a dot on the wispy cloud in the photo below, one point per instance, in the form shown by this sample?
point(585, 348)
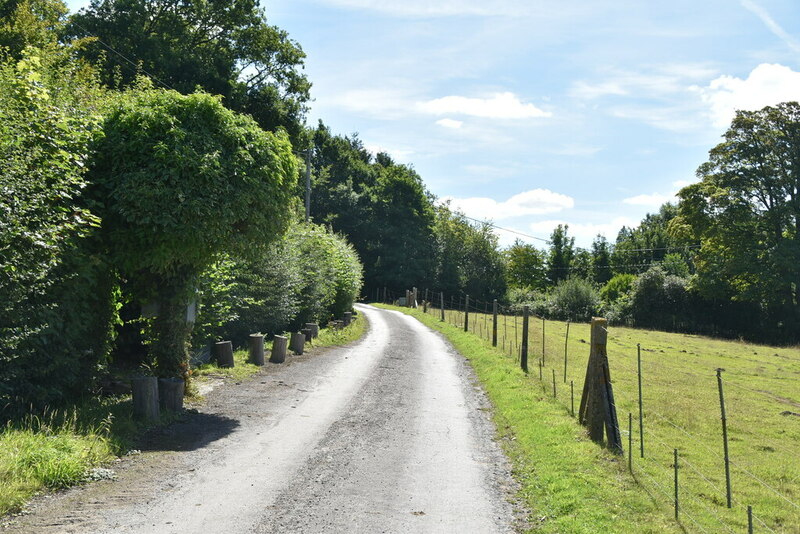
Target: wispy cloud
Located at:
point(498, 106)
point(533, 202)
point(450, 123)
point(767, 85)
point(770, 23)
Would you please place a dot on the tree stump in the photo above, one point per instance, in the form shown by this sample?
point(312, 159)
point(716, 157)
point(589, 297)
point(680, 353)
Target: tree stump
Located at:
point(296, 342)
point(306, 332)
point(257, 349)
point(170, 394)
point(145, 397)
point(278, 349)
point(223, 352)
point(314, 327)
point(348, 318)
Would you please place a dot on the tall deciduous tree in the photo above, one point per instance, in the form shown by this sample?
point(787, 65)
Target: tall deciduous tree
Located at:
point(746, 211)
point(525, 266)
point(177, 180)
point(226, 47)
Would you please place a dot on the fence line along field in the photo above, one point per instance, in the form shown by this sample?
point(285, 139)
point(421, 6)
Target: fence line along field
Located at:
point(681, 410)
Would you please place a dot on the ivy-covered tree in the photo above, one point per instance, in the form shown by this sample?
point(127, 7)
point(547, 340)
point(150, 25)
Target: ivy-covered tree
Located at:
point(177, 180)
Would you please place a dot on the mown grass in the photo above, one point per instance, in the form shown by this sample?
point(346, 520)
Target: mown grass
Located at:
point(58, 449)
point(681, 410)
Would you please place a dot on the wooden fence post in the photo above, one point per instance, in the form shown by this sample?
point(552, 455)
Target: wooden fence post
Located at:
point(494, 323)
point(441, 298)
point(466, 314)
point(597, 410)
point(524, 349)
point(145, 397)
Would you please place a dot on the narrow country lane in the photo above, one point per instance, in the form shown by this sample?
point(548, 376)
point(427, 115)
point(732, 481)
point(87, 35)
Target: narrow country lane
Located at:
point(387, 435)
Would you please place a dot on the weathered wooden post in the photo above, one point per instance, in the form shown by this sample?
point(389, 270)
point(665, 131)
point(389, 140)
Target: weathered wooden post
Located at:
point(144, 390)
point(348, 318)
point(223, 352)
point(524, 348)
point(307, 333)
point(598, 410)
point(425, 306)
point(384, 294)
point(297, 342)
point(494, 323)
point(278, 349)
point(466, 313)
point(170, 394)
point(414, 298)
point(256, 346)
point(441, 302)
point(314, 327)
point(724, 438)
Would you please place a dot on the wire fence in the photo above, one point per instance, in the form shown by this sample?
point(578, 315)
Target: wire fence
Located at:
point(679, 405)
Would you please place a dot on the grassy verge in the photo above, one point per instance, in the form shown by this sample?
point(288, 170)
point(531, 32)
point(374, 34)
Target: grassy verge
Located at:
point(59, 449)
point(681, 410)
point(569, 483)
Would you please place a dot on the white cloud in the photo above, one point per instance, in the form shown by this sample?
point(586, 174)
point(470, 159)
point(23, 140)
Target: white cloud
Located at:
point(767, 85)
point(680, 184)
point(500, 106)
point(398, 154)
point(450, 123)
point(533, 202)
point(770, 23)
point(576, 150)
point(654, 200)
point(375, 102)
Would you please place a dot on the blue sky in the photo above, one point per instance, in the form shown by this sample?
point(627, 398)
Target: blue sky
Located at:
point(534, 113)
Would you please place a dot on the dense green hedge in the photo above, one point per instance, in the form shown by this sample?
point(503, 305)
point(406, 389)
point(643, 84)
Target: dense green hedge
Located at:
point(56, 290)
point(311, 275)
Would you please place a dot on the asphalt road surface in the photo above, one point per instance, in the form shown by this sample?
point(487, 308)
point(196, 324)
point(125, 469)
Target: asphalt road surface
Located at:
point(390, 434)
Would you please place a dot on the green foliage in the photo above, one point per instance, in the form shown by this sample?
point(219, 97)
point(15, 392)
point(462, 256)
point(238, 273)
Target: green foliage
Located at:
point(601, 260)
point(525, 266)
point(225, 48)
point(619, 286)
point(574, 299)
point(57, 298)
point(177, 181)
point(30, 23)
point(746, 212)
point(562, 253)
point(650, 242)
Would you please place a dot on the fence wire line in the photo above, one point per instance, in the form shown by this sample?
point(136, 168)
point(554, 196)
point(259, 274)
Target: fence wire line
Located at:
point(668, 496)
point(691, 497)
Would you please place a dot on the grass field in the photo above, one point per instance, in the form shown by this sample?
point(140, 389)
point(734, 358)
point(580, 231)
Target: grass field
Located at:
point(681, 410)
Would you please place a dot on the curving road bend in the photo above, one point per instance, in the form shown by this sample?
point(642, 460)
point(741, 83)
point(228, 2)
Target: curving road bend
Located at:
point(387, 435)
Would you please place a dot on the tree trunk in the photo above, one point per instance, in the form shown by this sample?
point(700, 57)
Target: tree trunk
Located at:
point(296, 342)
point(170, 328)
point(223, 353)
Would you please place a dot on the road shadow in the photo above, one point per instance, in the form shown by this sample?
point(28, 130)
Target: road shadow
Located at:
point(192, 431)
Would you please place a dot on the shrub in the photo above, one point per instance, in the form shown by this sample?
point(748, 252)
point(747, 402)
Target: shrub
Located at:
point(619, 285)
point(574, 299)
